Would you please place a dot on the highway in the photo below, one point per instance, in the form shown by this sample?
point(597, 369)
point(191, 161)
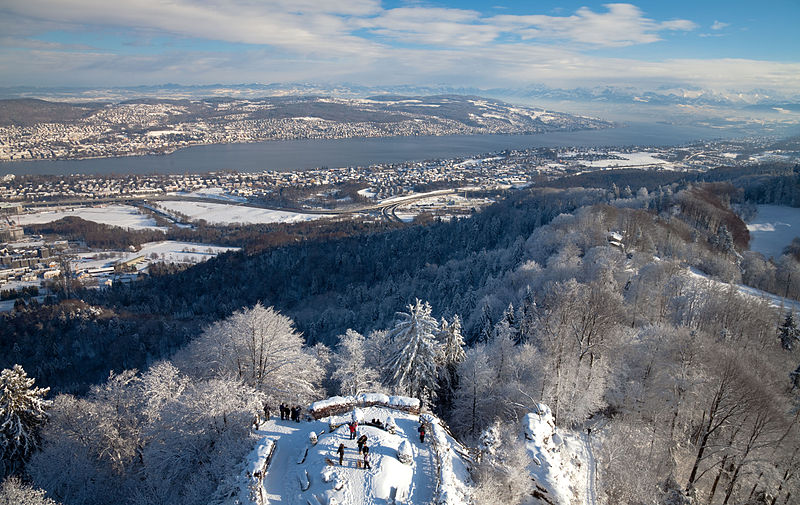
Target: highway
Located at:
point(387, 208)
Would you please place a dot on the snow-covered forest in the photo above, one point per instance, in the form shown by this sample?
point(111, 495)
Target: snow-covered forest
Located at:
point(622, 310)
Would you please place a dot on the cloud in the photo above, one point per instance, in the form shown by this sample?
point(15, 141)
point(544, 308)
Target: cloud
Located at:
point(303, 26)
point(719, 25)
point(356, 41)
point(621, 25)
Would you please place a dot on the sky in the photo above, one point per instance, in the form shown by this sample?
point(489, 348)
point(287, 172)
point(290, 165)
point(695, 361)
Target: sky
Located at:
point(722, 46)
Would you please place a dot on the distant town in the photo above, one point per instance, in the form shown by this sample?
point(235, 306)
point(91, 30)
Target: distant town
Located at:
point(31, 264)
point(37, 129)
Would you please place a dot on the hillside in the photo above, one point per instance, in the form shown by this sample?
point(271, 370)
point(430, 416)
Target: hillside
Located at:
point(56, 130)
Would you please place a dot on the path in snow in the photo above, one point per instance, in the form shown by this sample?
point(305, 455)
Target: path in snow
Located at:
point(288, 436)
point(591, 471)
point(425, 466)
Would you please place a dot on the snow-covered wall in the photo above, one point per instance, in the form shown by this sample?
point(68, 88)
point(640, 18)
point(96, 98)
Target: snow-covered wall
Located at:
point(254, 470)
point(339, 404)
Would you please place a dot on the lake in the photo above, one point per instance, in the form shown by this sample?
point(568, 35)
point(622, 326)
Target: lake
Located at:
point(286, 155)
point(773, 229)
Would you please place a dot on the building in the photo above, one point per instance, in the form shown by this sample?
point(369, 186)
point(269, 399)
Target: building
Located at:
point(10, 208)
point(10, 233)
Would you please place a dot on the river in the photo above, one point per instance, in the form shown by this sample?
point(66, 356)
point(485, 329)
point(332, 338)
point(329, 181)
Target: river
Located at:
point(286, 155)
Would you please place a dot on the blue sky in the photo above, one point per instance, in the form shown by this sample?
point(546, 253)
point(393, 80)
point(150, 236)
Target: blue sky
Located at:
point(724, 47)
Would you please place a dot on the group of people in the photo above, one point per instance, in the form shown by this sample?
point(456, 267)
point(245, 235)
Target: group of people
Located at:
point(290, 413)
point(363, 451)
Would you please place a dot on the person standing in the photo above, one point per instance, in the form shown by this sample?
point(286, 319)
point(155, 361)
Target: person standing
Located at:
point(421, 431)
point(352, 427)
point(340, 450)
point(283, 411)
point(362, 441)
point(365, 451)
point(266, 412)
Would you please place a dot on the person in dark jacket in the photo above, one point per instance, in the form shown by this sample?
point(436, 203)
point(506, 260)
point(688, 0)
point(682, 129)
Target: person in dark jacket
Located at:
point(362, 441)
point(340, 450)
point(266, 412)
point(421, 431)
point(365, 450)
point(283, 412)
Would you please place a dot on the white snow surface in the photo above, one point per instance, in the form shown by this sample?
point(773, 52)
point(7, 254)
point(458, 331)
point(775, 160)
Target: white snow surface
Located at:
point(773, 229)
point(559, 459)
point(168, 251)
point(124, 216)
point(301, 473)
point(772, 299)
point(628, 160)
point(365, 399)
point(220, 213)
point(214, 193)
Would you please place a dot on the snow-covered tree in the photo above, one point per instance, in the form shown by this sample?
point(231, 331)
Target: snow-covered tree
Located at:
point(497, 474)
point(261, 348)
point(473, 405)
point(14, 492)
point(350, 366)
point(452, 342)
point(23, 410)
point(485, 325)
point(788, 332)
point(416, 355)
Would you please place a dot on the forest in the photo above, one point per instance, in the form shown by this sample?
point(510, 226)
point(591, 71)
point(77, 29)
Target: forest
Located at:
point(606, 304)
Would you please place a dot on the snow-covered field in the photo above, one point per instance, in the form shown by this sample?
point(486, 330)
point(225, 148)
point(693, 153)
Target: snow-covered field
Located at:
point(773, 229)
point(629, 160)
point(302, 472)
point(214, 193)
point(220, 213)
point(124, 216)
point(169, 251)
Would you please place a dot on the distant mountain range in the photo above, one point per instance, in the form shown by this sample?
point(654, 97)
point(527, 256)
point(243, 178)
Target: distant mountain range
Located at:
point(606, 94)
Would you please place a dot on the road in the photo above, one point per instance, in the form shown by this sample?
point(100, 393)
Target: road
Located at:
point(386, 208)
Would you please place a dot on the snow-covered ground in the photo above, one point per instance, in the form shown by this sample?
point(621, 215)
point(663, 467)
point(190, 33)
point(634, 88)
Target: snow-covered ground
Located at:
point(169, 251)
point(220, 213)
point(560, 460)
point(214, 193)
point(124, 216)
point(413, 196)
point(628, 160)
point(773, 229)
point(303, 473)
point(774, 300)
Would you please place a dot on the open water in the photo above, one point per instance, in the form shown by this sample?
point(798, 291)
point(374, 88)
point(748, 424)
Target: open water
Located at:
point(286, 155)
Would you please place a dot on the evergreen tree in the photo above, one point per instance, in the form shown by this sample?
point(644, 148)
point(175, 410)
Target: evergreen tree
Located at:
point(416, 354)
point(23, 410)
point(510, 317)
point(788, 332)
point(485, 325)
point(452, 343)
